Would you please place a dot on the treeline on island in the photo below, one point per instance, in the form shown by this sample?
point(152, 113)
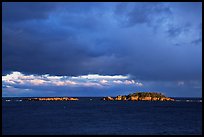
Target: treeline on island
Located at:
point(141, 96)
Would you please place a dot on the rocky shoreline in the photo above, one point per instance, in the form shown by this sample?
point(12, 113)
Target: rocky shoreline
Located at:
point(52, 99)
point(140, 96)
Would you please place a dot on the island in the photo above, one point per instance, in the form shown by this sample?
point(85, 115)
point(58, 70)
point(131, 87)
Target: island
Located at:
point(52, 99)
point(141, 96)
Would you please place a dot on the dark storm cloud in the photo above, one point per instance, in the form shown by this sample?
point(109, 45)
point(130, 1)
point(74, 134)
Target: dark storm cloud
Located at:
point(197, 41)
point(140, 13)
point(175, 31)
point(21, 11)
point(103, 38)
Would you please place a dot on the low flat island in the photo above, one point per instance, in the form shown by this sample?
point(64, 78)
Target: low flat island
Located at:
point(52, 99)
point(141, 96)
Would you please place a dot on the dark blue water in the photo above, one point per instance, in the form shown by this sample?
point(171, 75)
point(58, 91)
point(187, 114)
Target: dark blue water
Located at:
point(97, 117)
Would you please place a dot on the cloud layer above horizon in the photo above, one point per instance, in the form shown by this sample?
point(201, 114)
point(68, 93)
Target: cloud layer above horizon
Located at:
point(66, 44)
point(91, 80)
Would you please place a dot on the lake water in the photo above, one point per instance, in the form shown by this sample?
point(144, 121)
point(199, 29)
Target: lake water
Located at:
point(97, 117)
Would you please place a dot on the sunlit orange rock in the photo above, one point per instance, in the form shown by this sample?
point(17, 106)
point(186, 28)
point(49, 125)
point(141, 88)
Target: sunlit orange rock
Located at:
point(155, 99)
point(52, 99)
point(166, 99)
point(73, 99)
point(108, 98)
point(142, 96)
point(118, 98)
point(121, 98)
point(146, 98)
point(134, 98)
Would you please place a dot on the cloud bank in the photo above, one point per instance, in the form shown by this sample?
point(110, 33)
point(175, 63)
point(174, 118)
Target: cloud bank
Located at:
point(91, 80)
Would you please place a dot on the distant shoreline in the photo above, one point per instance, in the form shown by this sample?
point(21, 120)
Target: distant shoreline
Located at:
point(177, 99)
point(79, 97)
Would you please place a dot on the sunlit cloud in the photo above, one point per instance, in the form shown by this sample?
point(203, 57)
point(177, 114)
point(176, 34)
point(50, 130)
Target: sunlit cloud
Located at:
point(96, 76)
point(139, 84)
point(64, 83)
point(91, 80)
point(117, 81)
point(103, 81)
point(37, 81)
point(130, 82)
point(91, 84)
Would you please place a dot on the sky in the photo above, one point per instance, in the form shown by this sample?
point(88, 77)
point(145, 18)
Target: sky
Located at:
point(101, 48)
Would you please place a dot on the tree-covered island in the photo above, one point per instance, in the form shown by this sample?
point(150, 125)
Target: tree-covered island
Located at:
point(141, 96)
